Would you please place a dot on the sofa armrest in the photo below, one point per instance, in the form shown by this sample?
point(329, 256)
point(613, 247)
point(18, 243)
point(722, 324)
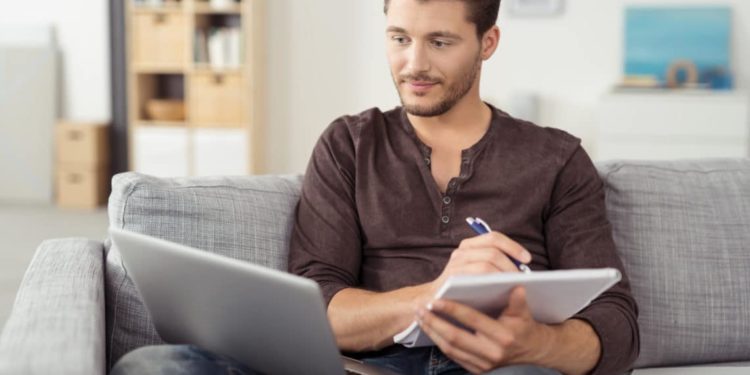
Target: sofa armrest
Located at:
point(57, 325)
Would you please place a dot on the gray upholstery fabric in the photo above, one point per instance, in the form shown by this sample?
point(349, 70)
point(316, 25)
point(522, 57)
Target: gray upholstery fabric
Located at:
point(247, 218)
point(57, 322)
point(683, 232)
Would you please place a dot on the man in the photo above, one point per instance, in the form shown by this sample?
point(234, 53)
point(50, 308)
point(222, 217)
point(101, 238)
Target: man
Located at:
point(380, 223)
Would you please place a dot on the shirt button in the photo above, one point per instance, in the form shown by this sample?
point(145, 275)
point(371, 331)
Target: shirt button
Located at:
point(446, 219)
point(427, 160)
point(452, 184)
point(447, 200)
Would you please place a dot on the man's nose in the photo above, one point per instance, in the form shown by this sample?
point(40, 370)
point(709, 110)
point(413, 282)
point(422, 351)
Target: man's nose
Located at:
point(418, 59)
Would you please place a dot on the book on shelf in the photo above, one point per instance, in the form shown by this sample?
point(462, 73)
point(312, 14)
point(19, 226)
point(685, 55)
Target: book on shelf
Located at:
point(219, 47)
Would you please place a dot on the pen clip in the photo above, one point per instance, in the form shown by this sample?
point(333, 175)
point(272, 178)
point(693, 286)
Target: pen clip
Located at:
point(483, 224)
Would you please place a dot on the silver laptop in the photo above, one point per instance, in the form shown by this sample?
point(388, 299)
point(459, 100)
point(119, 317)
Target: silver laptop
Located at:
point(271, 321)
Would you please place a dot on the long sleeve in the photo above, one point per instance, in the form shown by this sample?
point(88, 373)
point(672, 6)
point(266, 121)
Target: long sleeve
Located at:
point(578, 235)
point(325, 245)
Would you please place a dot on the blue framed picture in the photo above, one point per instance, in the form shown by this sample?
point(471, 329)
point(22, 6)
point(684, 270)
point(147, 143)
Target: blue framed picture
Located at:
point(657, 37)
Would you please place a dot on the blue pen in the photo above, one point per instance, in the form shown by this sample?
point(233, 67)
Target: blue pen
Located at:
point(481, 227)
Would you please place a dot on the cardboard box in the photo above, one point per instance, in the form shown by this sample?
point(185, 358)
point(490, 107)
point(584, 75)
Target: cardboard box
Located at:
point(82, 143)
point(82, 186)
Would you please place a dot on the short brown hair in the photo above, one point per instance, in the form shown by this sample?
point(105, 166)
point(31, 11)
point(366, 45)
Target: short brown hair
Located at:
point(482, 13)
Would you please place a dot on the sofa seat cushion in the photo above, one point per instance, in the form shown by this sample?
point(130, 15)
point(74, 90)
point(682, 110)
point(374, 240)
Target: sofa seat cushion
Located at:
point(682, 230)
point(246, 218)
point(742, 368)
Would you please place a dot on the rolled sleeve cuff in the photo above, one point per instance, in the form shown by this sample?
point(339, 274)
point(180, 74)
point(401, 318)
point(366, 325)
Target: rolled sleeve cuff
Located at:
point(329, 289)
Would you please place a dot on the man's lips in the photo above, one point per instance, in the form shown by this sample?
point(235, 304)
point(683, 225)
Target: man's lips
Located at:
point(420, 85)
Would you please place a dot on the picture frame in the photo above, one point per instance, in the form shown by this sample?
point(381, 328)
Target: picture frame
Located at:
point(536, 8)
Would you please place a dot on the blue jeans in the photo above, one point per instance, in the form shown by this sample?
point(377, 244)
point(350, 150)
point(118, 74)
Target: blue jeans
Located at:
point(189, 359)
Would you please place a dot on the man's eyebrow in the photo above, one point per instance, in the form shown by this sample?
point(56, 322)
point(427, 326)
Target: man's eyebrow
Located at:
point(444, 34)
point(434, 34)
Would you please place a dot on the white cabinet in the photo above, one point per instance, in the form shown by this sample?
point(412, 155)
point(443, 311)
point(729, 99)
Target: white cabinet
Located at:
point(673, 125)
point(220, 152)
point(28, 110)
point(161, 151)
point(179, 152)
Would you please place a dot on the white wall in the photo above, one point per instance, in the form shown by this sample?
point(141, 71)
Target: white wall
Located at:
point(326, 59)
point(82, 34)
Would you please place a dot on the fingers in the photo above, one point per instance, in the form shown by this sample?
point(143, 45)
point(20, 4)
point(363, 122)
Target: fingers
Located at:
point(499, 241)
point(456, 343)
point(497, 260)
point(517, 304)
point(463, 314)
point(485, 327)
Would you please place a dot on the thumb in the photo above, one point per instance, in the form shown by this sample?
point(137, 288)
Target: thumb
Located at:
point(517, 305)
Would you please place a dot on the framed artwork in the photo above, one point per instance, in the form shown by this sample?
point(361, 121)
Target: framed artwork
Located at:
point(661, 39)
point(536, 7)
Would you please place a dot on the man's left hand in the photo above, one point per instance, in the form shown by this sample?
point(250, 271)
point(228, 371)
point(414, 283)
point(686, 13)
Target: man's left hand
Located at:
point(513, 338)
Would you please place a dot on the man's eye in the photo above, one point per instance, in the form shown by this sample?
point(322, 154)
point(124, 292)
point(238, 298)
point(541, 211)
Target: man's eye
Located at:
point(440, 43)
point(400, 39)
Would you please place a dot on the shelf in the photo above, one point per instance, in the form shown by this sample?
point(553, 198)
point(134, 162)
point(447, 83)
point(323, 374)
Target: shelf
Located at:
point(158, 68)
point(168, 59)
point(207, 126)
point(164, 124)
point(208, 69)
point(206, 8)
point(165, 8)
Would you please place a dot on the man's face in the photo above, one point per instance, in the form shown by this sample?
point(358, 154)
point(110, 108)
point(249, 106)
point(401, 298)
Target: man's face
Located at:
point(433, 52)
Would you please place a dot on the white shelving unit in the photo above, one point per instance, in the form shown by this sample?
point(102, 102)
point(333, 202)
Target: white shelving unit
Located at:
point(223, 98)
point(659, 125)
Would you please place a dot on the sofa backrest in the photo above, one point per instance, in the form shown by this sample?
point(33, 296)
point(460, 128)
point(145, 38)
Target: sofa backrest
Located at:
point(682, 230)
point(246, 218)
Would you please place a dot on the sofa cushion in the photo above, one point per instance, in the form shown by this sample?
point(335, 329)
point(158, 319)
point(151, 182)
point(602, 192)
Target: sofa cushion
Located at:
point(246, 218)
point(682, 230)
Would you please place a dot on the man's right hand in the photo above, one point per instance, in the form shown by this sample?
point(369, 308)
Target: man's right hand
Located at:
point(483, 254)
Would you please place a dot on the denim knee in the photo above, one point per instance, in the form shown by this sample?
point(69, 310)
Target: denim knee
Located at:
point(523, 370)
point(177, 360)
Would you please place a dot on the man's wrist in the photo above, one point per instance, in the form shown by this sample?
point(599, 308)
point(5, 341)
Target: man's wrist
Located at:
point(555, 341)
point(546, 338)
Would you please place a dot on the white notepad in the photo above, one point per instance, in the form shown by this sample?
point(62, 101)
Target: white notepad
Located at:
point(553, 296)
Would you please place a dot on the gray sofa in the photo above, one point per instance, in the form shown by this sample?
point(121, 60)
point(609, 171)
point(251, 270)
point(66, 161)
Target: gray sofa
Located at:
point(682, 229)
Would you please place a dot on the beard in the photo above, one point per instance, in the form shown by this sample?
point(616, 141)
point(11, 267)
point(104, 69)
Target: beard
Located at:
point(453, 93)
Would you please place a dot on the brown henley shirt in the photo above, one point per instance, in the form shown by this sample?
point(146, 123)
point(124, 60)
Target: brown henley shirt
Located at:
point(372, 217)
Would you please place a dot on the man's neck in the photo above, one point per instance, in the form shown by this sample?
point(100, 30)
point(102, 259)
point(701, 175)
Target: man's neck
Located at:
point(459, 128)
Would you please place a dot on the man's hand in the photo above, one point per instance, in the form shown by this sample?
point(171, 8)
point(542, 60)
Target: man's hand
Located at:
point(487, 253)
point(513, 338)
point(364, 320)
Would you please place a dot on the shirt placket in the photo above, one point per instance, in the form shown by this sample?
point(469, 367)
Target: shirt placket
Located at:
point(447, 200)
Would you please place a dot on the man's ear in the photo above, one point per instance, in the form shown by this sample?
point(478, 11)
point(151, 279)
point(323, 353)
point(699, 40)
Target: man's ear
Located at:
point(490, 41)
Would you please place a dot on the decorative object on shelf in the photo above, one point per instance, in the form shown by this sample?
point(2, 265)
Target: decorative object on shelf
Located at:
point(675, 72)
point(536, 7)
point(221, 4)
point(165, 109)
point(678, 47)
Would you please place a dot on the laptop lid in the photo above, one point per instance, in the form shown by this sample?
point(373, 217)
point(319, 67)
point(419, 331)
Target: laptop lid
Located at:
point(272, 321)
